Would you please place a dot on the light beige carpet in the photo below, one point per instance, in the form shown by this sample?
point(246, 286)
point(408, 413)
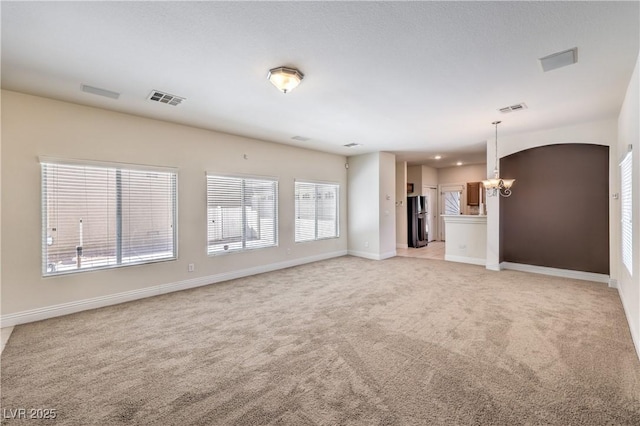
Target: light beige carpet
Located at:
point(346, 341)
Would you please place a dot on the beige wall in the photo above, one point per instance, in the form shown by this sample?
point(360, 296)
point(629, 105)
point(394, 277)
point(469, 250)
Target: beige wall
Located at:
point(372, 217)
point(364, 205)
point(387, 205)
point(34, 126)
point(401, 204)
point(414, 176)
point(429, 176)
point(628, 134)
point(462, 174)
point(421, 176)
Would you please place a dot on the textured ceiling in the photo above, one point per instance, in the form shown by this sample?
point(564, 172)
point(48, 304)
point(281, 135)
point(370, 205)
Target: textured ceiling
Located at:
point(413, 78)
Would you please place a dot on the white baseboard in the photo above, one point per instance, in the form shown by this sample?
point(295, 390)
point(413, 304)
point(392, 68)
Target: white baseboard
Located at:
point(402, 246)
point(388, 255)
point(565, 273)
point(635, 337)
point(372, 256)
point(494, 267)
point(366, 255)
point(465, 259)
point(613, 283)
point(46, 312)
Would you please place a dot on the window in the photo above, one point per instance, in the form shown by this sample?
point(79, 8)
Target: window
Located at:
point(317, 214)
point(626, 212)
point(242, 213)
point(98, 215)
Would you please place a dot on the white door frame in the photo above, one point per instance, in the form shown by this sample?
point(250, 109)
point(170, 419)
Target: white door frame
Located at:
point(433, 210)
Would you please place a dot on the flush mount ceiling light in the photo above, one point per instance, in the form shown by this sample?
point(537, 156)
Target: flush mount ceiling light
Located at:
point(285, 79)
point(559, 59)
point(497, 185)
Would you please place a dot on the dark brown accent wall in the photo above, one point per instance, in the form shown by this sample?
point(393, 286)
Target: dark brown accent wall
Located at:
point(558, 214)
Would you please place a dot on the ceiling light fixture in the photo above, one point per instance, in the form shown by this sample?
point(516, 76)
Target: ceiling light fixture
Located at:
point(497, 185)
point(285, 79)
point(437, 157)
point(459, 163)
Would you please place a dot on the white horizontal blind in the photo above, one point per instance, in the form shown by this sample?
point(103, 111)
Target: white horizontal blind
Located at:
point(99, 216)
point(305, 206)
point(317, 211)
point(242, 213)
point(626, 190)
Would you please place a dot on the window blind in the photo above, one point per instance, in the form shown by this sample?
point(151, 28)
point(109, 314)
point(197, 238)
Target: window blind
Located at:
point(316, 209)
point(242, 213)
point(626, 190)
point(105, 216)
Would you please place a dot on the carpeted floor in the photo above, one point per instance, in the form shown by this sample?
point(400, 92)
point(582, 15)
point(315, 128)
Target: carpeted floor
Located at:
point(346, 341)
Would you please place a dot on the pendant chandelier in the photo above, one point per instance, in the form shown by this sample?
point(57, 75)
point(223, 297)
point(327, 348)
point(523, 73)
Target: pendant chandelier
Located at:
point(497, 185)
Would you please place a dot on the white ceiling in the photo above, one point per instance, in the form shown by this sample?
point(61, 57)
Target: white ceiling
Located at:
point(413, 78)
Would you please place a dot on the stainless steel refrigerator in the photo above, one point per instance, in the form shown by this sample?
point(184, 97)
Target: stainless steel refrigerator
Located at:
point(417, 219)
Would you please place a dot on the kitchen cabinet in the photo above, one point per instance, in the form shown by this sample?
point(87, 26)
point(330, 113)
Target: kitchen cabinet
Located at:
point(473, 193)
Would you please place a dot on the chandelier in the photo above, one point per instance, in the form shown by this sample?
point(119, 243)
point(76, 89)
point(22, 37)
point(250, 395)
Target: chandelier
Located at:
point(497, 185)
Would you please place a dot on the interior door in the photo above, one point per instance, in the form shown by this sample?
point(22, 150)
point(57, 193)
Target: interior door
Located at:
point(432, 211)
point(451, 198)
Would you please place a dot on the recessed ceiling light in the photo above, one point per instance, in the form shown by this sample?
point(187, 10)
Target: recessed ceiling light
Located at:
point(459, 163)
point(352, 145)
point(437, 157)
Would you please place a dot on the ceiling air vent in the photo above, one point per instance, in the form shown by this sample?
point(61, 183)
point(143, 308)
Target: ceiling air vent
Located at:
point(352, 145)
point(559, 59)
point(165, 98)
point(100, 92)
point(512, 108)
point(300, 138)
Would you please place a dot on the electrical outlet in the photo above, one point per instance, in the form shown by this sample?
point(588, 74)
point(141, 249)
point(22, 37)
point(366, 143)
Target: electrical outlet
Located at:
point(366, 244)
point(288, 251)
point(192, 267)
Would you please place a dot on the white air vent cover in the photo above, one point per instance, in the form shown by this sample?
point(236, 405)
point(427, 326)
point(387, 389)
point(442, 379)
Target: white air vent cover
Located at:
point(165, 98)
point(300, 138)
point(352, 145)
point(516, 107)
point(100, 92)
point(559, 60)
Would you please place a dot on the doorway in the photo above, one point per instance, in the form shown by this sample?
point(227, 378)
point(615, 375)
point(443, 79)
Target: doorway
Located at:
point(431, 194)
